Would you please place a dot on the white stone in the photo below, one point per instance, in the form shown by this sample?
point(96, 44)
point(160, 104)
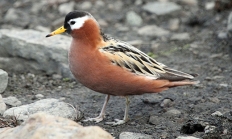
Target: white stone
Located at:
point(3, 80)
point(10, 15)
point(217, 113)
point(2, 106)
point(153, 31)
point(186, 137)
point(180, 36)
point(131, 135)
point(133, 19)
point(52, 51)
point(49, 106)
point(39, 96)
point(209, 129)
point(66, 7)
point(209, 5)
point(44, 126)
point(161, 8)
point(12, 101)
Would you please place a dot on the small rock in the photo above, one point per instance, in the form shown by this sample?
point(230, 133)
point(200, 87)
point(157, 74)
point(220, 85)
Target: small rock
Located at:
point(214, 99)
point(224, 85)
point(209, 129)
point(2, 106)
point(56, 76)
point(172, 112)
point(66, 7)
point(190, 2)
point(186, 137)
point(12, 101)
point(39, 96)
point(222, 35)
point(44, 126)
point(166, 102)
point(11, 15)
point(209, 5)
point(161, 8)
point(174, 24)
point(3, 80)
point(49, 106)
point(131, 135)
point(116, 5)
point(133, 19)
point(217, 113)
point(154, 120)
point(153, 31)
point(180, 36)
point(86, 5)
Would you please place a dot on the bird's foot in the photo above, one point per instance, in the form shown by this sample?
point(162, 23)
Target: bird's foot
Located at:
point(117, 122)
point(96, 119)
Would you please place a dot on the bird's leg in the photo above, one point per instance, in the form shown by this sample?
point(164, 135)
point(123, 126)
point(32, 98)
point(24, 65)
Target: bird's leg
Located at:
point(102, 114)
point(125, 119)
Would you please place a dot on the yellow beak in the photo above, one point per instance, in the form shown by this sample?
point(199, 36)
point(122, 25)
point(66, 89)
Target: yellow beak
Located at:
point(57, 31)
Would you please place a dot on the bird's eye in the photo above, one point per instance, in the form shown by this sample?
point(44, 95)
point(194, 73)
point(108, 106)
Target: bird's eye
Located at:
point(72, 22)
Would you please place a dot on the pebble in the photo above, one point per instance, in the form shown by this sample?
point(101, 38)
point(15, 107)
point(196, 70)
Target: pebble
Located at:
point(166, 102)
point(222, 35)
point(131, 135)
point(214, 99)
point(172, 112)
point(39, 96)
point(209, 129)
point(99, 3)
point(161, 8)
point(186, 137)
point(12, 101)
point(153, 31)
point(2, 105)
point(3, 80)
point(154, 120)
point(180, 36)
point(66, 7)
point(174, 24)
point(86, 5)
point(209, 5)
point(217, 113)
point(133, 19)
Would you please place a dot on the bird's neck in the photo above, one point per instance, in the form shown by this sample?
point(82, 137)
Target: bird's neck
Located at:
point(89, 34)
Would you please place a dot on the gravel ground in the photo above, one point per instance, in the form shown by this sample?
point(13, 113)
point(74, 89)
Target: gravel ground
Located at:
point(178, 111)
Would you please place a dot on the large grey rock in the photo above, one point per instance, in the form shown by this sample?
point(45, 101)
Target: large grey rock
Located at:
point(161, 8)
point(49, 54)
point(131, 135)
point(12, 101)
point(3, 80)
point(44, 126)
point(133, 19)
point(2, 105)
point(153, 31)
point(49, 106)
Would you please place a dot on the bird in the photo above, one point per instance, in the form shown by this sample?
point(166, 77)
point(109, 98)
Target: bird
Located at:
point(113, 67)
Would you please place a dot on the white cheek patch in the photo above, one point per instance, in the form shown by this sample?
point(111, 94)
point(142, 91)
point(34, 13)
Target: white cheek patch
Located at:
point(79, 22)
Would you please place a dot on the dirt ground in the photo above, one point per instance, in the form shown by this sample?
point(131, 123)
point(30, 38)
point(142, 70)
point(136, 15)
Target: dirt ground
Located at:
point(204, 54)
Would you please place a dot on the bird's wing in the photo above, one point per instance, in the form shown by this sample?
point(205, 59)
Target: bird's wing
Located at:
point(137, 62)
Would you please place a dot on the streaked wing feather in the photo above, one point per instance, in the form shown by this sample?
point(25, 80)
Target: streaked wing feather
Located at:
point(137, 62)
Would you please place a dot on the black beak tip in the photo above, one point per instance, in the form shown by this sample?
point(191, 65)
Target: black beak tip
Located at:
point(49, 35)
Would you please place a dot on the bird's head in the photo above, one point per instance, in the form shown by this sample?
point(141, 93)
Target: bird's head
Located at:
point(73, 21)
